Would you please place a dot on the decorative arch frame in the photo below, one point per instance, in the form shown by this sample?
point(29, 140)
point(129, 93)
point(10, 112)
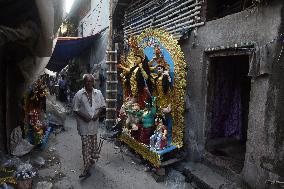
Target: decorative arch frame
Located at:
point(151, 37)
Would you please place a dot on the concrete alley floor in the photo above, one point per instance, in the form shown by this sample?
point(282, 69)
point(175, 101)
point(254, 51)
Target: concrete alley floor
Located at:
point(113, 170)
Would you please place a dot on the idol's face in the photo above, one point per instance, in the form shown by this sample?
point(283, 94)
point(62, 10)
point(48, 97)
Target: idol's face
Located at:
point(138, 60)
point(158, 52)
point(160, 69)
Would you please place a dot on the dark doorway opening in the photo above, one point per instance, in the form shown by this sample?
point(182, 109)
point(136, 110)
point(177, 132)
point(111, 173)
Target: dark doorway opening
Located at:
point(229, 102)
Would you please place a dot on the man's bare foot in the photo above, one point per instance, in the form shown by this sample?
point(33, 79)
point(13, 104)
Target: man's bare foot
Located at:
point(96, 157)
point(85, 174)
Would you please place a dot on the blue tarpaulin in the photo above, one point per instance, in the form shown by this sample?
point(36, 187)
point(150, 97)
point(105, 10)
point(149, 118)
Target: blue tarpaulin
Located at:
point(66, 50)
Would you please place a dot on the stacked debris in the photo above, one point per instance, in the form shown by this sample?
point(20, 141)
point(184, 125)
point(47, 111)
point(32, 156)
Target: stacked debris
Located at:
point(14, 173)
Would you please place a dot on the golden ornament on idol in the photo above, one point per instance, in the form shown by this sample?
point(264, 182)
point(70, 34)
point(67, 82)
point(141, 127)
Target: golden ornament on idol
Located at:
point(172, 102)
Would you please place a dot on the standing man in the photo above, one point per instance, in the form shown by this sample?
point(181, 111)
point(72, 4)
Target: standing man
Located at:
point(62, 89)
point(89, 103)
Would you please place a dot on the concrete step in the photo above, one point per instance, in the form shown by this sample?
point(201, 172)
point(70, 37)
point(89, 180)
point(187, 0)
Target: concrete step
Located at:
point(221, 167)
point(204, 177)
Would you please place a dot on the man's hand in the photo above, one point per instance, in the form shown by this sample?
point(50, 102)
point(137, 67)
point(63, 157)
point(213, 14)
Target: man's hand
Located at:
point(83, 116)
point(95, 117)
point(98, 114)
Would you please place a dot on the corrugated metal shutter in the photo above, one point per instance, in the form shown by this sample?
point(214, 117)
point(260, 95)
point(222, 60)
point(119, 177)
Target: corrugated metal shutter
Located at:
point(175, 16)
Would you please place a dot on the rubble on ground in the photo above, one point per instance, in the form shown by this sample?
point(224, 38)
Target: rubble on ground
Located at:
point(19, 146)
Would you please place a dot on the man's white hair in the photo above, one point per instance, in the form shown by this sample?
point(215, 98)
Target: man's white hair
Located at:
point(86, 75)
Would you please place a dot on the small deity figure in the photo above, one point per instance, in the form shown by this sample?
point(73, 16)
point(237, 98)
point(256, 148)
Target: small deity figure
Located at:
point(126, 111)
point(163, 90)
point(158, 58)
point(133, 117)
point(135, 121)
point(126, 105)
point(148, 116)
point(162, 81)
point(123, 113)
point(158, 140)
point(148, 121)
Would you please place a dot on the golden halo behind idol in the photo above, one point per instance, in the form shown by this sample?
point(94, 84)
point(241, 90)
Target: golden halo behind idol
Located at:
point(160, 72)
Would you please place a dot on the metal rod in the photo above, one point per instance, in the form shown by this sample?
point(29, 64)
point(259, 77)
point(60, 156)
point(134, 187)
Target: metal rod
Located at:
point(182, 16)
point(111, 52)
point(143, 20)
point(164, 13)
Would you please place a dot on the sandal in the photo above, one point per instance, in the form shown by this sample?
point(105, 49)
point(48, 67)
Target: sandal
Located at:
point(95, 158)
point(93, 161)
point(85, 175)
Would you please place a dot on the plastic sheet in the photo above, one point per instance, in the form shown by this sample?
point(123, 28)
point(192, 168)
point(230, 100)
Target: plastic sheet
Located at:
point(39, 161)
point(25, 171)
point(13, 162)
point(19, 146)
point(6, 186)
point(56, 111)
point(45, 139)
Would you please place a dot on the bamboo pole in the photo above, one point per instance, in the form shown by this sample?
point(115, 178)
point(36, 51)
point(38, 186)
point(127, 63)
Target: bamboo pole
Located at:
point(111, 84)
point(110, 25)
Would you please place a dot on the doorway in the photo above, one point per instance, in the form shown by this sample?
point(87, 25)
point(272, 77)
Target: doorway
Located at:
point(229, 90)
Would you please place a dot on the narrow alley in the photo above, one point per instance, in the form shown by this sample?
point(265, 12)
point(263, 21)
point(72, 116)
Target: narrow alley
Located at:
point(141, 94)
point(117, 168)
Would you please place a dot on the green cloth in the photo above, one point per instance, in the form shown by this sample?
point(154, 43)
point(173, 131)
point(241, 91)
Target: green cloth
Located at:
point(149, 118)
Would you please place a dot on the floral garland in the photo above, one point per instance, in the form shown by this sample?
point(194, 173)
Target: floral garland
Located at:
point(10, 180)
point(7, 179)
point(34, 128)
point(38, 92)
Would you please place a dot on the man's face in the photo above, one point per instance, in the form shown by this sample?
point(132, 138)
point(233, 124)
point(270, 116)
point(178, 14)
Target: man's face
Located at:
point(89, 82)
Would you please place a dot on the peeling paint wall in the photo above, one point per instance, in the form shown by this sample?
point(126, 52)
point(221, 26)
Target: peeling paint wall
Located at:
point(265, 148)
point(26, 50)
point(273, 159)
point(96, 19)
point(98, 61)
